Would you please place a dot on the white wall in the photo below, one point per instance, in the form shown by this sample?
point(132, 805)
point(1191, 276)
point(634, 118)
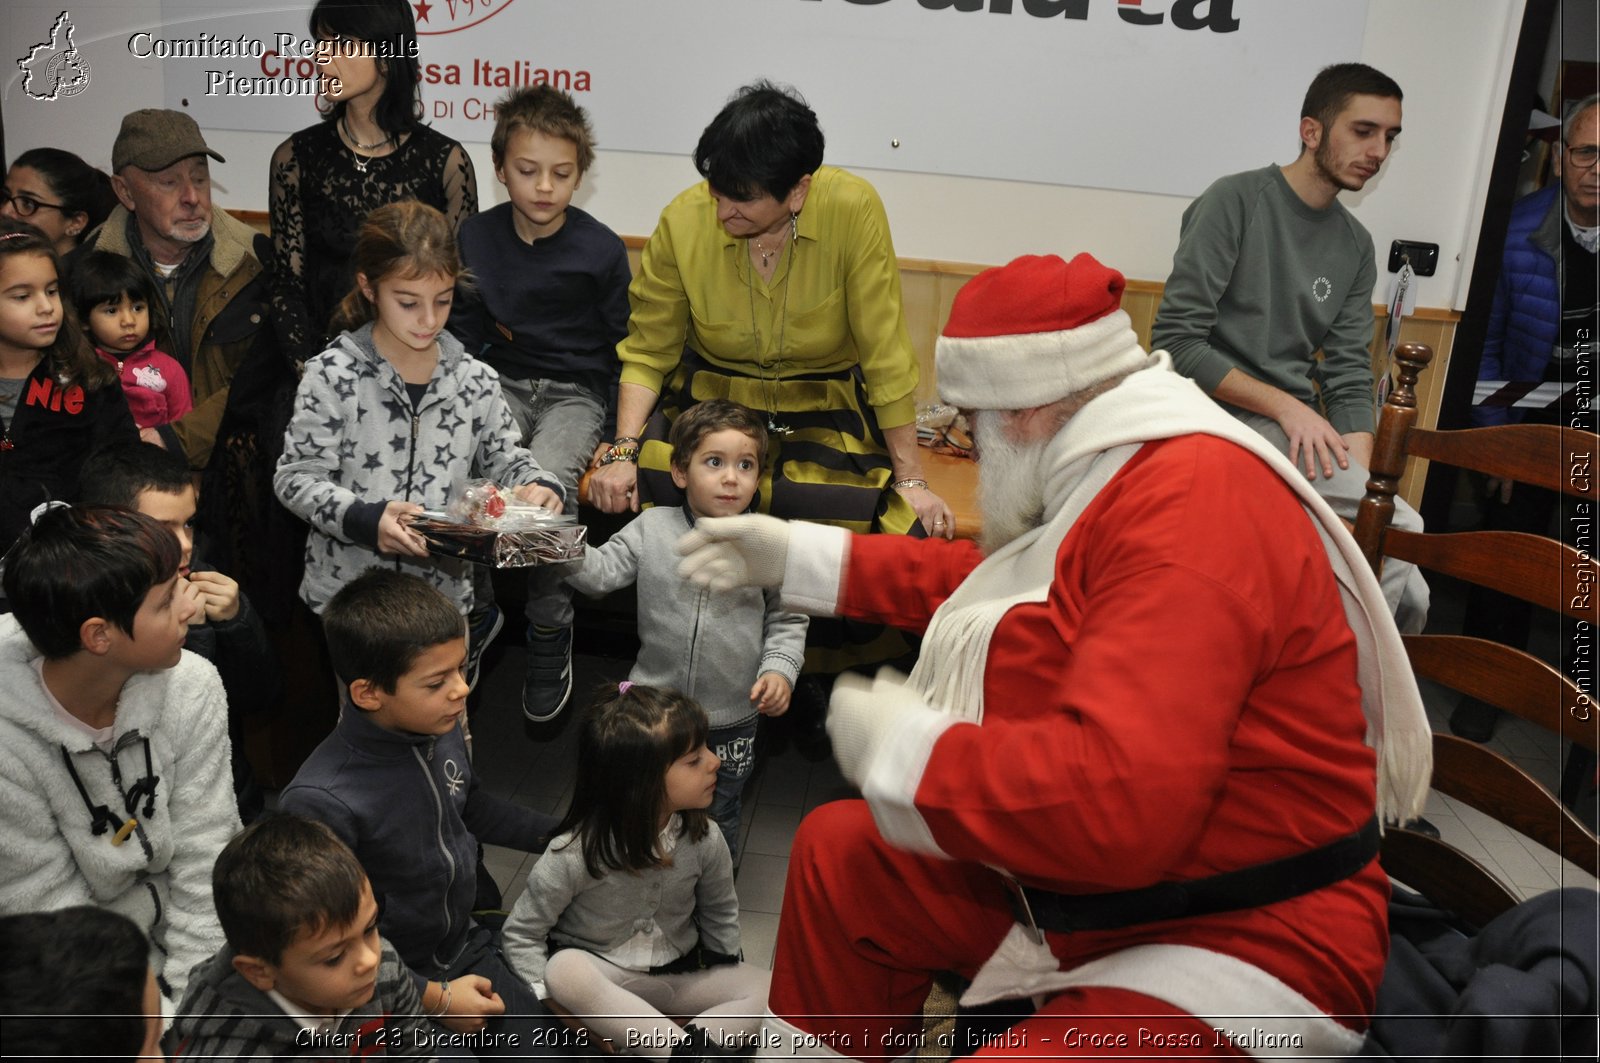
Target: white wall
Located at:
point(1452, 57)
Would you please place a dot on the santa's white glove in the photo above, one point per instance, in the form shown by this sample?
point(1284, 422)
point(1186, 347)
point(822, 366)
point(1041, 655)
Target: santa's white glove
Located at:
point(883, 736)
point(862, 714)
point(727, 552)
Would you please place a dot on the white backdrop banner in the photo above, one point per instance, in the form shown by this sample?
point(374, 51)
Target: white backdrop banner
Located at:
point(1141, 95)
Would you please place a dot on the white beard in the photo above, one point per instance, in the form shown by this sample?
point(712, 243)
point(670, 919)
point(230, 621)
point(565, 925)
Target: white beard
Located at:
point(1010, 482)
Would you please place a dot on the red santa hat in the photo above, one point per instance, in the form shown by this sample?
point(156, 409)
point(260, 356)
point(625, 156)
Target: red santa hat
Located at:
point(1033, 331)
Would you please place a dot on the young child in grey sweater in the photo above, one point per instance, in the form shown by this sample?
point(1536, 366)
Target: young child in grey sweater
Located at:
point(631, 915)
point(735, 652)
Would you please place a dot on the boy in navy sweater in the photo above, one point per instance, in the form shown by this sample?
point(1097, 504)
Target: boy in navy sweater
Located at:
point(395, 783)
point(548, 307)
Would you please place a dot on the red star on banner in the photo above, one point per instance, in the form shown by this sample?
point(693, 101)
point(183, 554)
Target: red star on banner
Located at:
point(422, 10)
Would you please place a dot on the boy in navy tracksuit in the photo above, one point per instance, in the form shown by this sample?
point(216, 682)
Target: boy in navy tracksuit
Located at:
point(394, 782)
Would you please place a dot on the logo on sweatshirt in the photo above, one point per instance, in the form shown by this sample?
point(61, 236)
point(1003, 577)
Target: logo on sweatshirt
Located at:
point(1321, 288)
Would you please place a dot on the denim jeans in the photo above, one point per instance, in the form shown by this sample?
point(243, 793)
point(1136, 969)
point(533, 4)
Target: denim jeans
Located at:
point(560, 424)
point(736, 746)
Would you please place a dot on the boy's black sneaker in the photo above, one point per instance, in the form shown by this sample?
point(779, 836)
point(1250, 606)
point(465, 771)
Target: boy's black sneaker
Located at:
point(482, 627)
point(548, 685)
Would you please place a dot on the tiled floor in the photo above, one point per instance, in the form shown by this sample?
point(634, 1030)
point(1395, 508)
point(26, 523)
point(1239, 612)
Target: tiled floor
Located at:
point(537, 771)
point(1513, 857)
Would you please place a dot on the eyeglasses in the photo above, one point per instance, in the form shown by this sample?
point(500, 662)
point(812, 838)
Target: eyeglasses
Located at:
point(1583, 156)
point(25, 205)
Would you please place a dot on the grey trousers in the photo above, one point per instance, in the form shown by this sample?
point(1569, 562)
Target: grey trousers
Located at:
point(560, 424)
point(1403, 586)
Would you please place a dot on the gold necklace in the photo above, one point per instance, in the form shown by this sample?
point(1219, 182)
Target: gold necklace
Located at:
point(766, 255)
point(769, 398)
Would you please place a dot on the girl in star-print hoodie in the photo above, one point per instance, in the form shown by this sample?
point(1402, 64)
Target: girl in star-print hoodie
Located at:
point(393, 416)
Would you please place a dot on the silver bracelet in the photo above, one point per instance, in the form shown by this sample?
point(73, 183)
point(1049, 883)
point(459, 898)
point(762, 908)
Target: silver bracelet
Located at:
point(910, 482)
point(444, 1001)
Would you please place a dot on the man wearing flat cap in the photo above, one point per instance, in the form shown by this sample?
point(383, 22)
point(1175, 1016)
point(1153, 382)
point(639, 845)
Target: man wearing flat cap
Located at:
point(1128, 784)
point(212, 269)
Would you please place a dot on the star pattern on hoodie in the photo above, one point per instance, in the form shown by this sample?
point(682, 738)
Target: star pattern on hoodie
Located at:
point(359, 425)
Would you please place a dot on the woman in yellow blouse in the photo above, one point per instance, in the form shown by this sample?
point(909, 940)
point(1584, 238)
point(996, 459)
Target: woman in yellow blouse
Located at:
point(774, 283)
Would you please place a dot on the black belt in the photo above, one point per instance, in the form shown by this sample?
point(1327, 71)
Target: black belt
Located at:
point(1248, 887)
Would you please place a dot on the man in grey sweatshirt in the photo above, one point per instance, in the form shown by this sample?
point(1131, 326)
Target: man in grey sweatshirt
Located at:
point(1270, 269)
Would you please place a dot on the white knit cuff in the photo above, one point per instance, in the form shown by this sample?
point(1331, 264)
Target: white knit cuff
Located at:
point(894, 773)
point(813, 571)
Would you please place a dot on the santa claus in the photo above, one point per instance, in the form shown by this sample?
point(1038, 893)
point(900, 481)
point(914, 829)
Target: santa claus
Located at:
point(1160, 709)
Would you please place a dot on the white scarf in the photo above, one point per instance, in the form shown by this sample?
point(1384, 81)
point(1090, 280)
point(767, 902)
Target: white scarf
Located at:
point(1156, 403)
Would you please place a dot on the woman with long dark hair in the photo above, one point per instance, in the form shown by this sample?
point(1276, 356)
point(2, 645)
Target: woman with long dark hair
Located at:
point(371, 148)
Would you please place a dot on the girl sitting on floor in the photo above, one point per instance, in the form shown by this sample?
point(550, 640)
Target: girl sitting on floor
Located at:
point(636, 891)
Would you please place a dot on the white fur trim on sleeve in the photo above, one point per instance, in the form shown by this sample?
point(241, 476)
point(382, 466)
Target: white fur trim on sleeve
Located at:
point(813, 572)
point(895, 774)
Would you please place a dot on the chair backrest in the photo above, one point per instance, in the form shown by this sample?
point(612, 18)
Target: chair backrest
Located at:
point(1533, 568)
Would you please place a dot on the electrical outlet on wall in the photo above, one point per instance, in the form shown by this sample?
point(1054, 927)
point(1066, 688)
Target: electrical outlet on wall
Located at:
point(1424, 257)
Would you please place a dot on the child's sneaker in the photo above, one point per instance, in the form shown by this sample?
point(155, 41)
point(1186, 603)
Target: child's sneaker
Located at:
point(548, 684)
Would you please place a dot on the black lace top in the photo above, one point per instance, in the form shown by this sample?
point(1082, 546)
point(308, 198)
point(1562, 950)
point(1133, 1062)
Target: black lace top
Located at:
point(319, 200)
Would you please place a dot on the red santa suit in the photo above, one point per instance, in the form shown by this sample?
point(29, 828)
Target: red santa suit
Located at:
point(1180, 695)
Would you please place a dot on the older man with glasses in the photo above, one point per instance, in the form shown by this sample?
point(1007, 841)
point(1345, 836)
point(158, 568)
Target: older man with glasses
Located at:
point(1541, 331)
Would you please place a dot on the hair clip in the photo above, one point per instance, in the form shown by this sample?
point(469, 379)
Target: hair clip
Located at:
point(624, 686)
point(44, 507)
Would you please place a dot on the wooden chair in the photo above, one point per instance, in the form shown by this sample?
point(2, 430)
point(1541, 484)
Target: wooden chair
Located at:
point(1534, 568)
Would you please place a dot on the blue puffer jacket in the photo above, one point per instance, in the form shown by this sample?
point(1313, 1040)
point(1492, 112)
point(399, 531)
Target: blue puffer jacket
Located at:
point(1525, 321)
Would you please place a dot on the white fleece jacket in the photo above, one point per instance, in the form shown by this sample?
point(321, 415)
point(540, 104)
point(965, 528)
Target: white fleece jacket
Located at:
point(160, 876)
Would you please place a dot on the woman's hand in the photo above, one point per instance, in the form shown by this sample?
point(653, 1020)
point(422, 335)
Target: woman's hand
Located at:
point(394, 531)
point(937, 519)
point(614, 488)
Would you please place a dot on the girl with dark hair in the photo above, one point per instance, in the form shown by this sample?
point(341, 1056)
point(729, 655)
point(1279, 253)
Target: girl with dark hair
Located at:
point(636, 891)
point(114, 298)
point(370, 149)
point(59, 193)
point(58, 401)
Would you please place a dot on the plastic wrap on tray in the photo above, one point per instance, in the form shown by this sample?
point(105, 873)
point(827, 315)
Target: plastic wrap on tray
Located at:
point(487, 525)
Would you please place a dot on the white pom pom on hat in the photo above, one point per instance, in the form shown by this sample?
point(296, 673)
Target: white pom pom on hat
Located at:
point(1033, 331)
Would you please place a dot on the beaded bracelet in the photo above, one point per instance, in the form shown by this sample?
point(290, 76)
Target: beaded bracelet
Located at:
point(910, 482)
point(620, 453)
